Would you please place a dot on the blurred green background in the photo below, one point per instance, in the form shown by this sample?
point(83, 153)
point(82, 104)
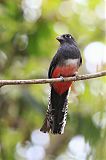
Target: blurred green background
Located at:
point(28, 29)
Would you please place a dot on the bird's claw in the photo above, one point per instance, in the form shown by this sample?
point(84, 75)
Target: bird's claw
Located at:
point(76, 74)
point(62, 78)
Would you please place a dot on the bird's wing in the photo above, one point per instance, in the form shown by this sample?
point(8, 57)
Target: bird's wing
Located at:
point(53, 65)
point(80, 61)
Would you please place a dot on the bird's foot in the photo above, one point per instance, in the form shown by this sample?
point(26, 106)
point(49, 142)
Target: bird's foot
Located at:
point(62, 78)
point(75, 74)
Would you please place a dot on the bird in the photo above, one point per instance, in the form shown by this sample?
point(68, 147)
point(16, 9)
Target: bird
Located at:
point(65, 63)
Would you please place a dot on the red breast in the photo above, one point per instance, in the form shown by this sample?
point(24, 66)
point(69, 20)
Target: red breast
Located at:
point(65, 71)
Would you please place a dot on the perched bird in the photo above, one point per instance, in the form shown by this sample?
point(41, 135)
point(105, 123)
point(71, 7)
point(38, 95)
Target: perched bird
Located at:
point(65, 63)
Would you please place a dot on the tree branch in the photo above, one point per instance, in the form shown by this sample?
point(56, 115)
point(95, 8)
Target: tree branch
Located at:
point(61, 79)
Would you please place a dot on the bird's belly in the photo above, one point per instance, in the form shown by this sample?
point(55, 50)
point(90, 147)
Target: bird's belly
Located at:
point(64, 71)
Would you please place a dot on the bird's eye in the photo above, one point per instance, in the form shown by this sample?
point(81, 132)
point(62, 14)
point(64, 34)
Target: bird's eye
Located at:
point(68, 36)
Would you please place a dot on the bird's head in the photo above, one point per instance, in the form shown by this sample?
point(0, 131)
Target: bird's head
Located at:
point(65, 38)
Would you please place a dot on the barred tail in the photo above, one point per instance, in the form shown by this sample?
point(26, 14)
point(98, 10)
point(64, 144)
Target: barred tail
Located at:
point(56, 114)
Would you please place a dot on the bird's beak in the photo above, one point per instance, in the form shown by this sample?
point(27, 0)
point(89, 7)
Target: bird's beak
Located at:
point(59, 38)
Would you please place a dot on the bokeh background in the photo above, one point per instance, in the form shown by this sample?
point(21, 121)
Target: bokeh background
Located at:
point(28, 29)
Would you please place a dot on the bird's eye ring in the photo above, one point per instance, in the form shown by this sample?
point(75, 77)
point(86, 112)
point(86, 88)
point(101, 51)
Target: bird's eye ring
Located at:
point(68, 36)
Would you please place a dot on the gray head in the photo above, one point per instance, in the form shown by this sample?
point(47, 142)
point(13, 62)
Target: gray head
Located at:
point(65, 38)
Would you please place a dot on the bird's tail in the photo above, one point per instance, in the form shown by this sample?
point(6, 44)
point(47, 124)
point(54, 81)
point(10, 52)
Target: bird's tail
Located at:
point(56, 114)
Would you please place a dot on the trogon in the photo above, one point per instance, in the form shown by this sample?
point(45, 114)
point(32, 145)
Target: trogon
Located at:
point(65, 63)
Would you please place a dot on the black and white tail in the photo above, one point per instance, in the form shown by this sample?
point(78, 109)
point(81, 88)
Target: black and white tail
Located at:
point(56, 114)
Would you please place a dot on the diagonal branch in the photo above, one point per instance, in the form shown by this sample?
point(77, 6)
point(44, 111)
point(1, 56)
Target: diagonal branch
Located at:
point(61, 79)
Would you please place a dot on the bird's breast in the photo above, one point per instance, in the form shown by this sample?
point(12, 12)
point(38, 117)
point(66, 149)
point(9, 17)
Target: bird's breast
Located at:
point(66, 69)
